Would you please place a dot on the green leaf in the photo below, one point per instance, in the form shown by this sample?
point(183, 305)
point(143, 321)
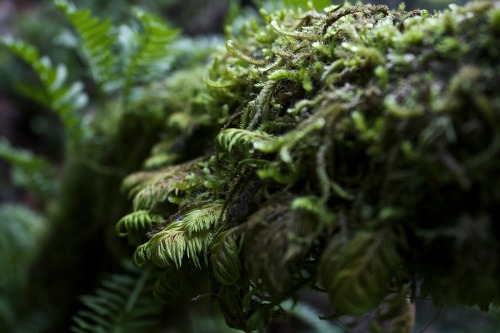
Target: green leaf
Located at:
point(54, 93)
point(356, 274)
point(30, 171)
point(137, 221)
point(97, 41)
point(151, 48)
point(122, 304)
point(225, 261)
point(241, 138)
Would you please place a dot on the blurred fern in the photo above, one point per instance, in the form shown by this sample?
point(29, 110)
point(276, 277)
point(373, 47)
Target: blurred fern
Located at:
point(97, 41)
point(54, 93)
point(29, 171)
point(141, 54)
point(122, 304)
point(21, 231)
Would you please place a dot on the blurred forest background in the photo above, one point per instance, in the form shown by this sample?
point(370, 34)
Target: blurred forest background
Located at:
point(27, 125)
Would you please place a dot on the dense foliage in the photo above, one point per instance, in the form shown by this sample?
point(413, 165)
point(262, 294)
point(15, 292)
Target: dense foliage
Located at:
point(350, 150)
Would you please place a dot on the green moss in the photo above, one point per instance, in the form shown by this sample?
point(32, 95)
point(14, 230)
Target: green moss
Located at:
point(356, 154)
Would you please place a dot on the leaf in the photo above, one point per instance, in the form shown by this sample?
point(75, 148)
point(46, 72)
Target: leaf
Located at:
point(121, 304)
point(356, 274)
point(29, 171)
point(97, 41)
point(137, 221)
point(241, 138)
point(226, 265)
point(202, 219)
point(54, 93)
point(151, 48)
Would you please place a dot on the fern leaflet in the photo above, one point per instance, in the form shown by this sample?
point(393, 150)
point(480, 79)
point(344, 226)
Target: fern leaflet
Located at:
point(235, 137)
point(190, 236)
point(30, 171)
point(122, 304)
point(136, 221)
point(356, 274)
point(151, 48)
point(97, 41)
point(54, 93)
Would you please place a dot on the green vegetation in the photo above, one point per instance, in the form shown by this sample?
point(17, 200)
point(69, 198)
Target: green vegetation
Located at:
point(350, 150)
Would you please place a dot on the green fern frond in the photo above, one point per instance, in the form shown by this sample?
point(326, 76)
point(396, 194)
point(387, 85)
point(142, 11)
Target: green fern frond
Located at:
point(189, 236)
point(151, 47)
point(356, 274)
point(153, 195)
point(139, 181)
point(236, 137)
point(54, 93)
point(97, 41)
point(121, 304)
point(226, 265)
point(135, 222)
point(202, 219)
point(169, 246)
point(21, 234)
point(29, 171)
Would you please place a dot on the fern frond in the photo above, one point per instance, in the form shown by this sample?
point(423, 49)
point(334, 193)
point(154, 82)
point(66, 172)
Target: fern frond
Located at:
point(236, 137)
point(152, 195)
point(202, 219)
point(226, 265)
point(189, 237)
point(151, 47)
point(139, 181)
point(356, 274)
point(97, 41)
point(137, 221)
point(29, 171)
point(169, 246)
point(121, 304)
point(285, 143)
point(54, 93)
point(21, 233)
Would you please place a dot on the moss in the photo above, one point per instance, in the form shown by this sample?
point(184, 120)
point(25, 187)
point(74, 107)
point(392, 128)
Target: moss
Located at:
point(356, 153)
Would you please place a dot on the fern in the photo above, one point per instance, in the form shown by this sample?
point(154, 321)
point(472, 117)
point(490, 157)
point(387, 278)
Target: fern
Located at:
point(136, 224)
point(151, 48)
point(97, 41)
point(122, 304)
point(225, 259)
point(29, 171)
point(54, 93)
point(202, 219)
point(21, 232)
point(235, 137)
point(189, 236)
point(356, 274)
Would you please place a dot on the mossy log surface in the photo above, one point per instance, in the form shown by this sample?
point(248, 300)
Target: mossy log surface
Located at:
point(356, 153)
